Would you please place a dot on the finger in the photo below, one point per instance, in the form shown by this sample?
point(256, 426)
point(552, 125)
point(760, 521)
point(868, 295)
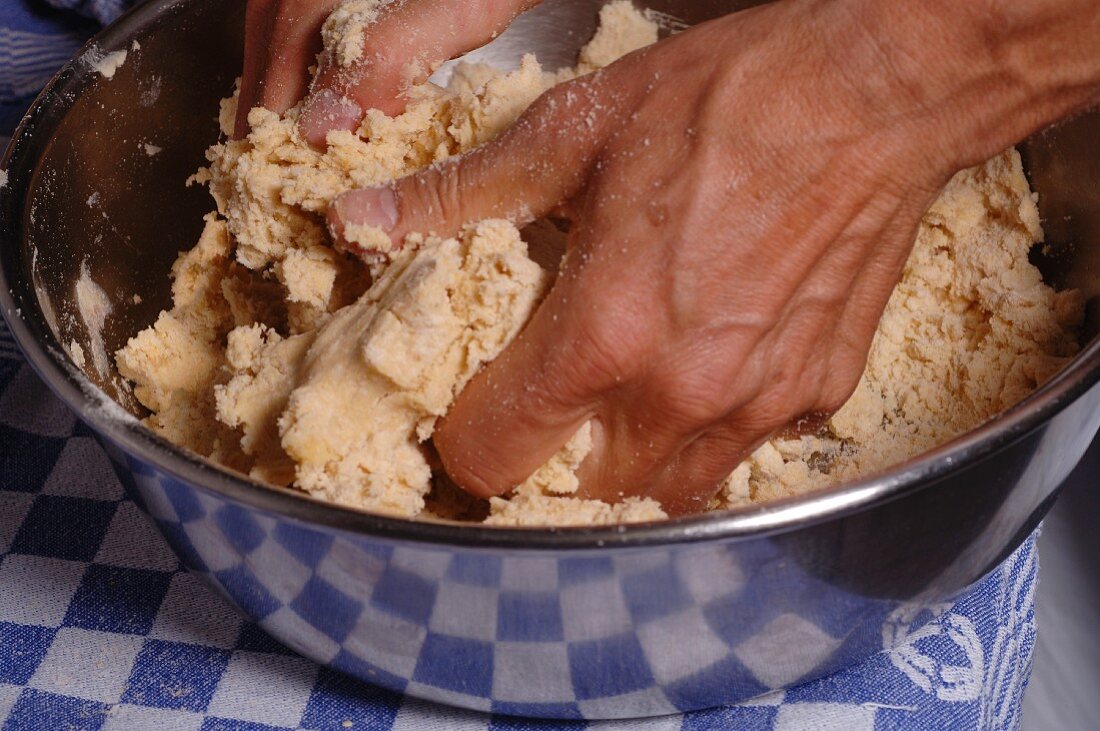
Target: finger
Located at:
point(584, 357)
point(630, 452)
point(524, 174)
point(257, 37)
point(282, 39)
point(825, 336)
point(403, 42)
point(651, 422)
point(873, 253)
point(514, 415)
point(785, 381)
point(691, 480)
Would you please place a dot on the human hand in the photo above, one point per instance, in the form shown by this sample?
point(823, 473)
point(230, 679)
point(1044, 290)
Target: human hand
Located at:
point(406, 40)
point(743, 198)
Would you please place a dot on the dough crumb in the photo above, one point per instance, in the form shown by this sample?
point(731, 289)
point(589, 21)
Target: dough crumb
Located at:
point(622, 29)
point(77, 354)
point(109, 64)
point(541, 500)
point(343, 33)
point(368, 238)
point(151, 150)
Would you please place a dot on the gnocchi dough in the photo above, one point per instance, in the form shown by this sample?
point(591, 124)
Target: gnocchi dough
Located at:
point(286, 360)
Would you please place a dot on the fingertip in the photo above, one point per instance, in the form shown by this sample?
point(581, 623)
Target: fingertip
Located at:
point(387, 98)
point(246, 95)
point(677, 505)
point(240, 127)
point(375, 206)
point(467, 464)
point(324, 111)
point(364, 220)
point(507, 423)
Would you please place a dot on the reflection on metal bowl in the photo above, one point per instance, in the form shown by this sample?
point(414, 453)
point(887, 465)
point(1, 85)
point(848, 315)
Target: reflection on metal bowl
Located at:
point(596, 623)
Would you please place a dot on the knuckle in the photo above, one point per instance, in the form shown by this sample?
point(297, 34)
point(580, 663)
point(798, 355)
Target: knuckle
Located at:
point(689, 397)
point(783, 399)
point(436, 196)
point(572, 100)
point(770, 412)
point(469, 478)
point(451, 192)
point(604, 351)
point(839, 386)
point(790, 381)
point(835, 394)
point(555, 101)
point(287, 13)
point(810, 394)
point(542, 116)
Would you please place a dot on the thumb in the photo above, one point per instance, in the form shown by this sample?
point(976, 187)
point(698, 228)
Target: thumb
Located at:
point(538, 163)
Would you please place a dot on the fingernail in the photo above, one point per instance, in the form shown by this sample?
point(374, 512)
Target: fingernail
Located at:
point(369, 207)
point(325, 111)
point(364, 218)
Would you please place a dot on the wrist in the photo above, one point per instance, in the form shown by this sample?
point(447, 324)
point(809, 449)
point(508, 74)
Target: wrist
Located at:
point(1049, 48)
point(973, 78)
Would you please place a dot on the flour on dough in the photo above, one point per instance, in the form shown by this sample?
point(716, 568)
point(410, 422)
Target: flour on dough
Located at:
point(77, 354)
point(344, 31)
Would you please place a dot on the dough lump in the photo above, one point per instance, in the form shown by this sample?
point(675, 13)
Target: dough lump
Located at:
point(301, 366)
point(286, 360)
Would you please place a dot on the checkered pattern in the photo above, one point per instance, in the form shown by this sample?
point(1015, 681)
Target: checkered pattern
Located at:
point(100, 628)
point(591, 635)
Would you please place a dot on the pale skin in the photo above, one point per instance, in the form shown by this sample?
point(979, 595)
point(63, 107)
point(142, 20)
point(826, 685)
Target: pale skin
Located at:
point(743, 197)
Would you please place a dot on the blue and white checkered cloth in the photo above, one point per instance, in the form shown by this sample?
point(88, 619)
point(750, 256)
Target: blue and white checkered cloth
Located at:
point(100, 628)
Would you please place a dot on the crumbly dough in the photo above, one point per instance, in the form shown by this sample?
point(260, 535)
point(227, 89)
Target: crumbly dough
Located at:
point(543, 499)
point(342, 410)
point(108, 65)
point(303, 367)
point(344, 31)
point(969, 331)
point(77, 354)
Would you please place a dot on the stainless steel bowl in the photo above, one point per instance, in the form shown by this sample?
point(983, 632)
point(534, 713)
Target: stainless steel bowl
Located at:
point(610, 622)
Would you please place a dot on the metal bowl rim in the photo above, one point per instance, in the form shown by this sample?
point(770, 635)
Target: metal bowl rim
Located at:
point(86, 400)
